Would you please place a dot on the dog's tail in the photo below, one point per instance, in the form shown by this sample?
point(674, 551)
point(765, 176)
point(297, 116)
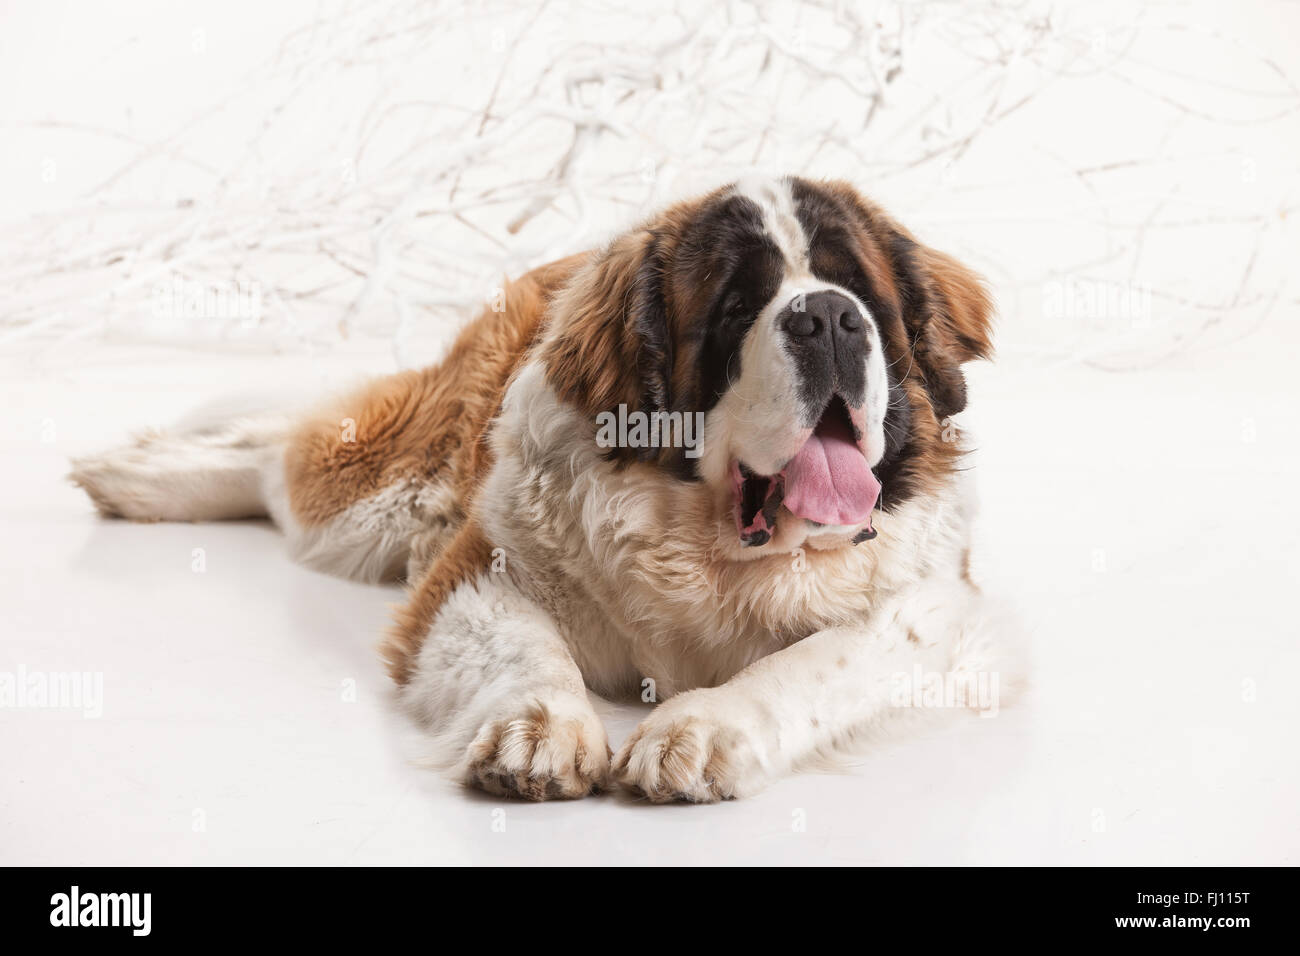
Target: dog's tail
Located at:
point(215, 465)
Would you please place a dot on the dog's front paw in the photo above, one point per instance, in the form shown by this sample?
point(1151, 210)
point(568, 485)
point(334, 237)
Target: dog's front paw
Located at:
point(697, 747)
point(549, 751)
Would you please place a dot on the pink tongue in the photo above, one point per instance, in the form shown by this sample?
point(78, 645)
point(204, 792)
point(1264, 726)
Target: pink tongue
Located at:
point(829, 481)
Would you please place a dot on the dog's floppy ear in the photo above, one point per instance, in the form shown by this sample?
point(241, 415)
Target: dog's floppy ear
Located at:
point(611, 344)
point(947, 313)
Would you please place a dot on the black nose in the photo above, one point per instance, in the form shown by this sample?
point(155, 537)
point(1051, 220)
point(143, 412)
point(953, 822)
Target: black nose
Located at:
point(811, 315)
point(827, 336)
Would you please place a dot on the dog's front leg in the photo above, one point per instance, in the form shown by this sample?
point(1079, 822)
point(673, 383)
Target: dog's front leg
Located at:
point(496, 685)
point(814, 696)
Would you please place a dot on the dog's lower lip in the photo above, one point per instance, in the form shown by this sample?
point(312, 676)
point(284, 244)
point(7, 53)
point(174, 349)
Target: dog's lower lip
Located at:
point(757, 499)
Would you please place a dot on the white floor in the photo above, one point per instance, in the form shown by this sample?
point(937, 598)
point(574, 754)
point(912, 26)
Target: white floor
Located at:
point(1145, 522)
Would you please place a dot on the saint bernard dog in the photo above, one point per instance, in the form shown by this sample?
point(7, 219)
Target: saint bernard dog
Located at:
point(709, 464)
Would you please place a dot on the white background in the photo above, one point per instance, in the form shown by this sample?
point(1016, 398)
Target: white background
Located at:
point(1125, 174)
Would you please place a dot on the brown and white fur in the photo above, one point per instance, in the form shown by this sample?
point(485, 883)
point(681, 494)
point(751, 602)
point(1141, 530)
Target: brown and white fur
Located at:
point(543, 565)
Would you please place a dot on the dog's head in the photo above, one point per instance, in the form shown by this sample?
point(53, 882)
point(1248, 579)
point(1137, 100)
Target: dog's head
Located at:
point(818, 343)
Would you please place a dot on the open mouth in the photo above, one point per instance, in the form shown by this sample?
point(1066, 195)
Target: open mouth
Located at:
point(827, 482)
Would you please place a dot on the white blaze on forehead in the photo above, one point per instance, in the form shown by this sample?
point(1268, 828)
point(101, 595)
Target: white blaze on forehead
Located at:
point(780, 219)
point(761, 419)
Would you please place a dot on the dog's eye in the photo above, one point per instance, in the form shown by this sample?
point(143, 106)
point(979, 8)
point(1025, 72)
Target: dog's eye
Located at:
point(735, 306)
